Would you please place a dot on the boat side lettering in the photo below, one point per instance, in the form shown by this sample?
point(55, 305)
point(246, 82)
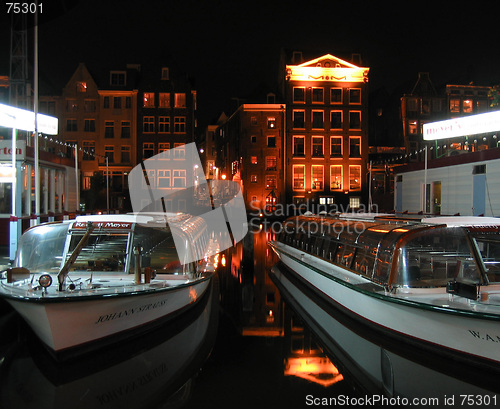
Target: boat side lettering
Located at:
point(131, 311)
point(103, 225)
point(485, 337)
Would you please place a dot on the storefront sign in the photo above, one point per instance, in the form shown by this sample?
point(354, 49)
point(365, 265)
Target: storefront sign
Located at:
point(469, 125)
point(16, 118)
point(6, 150)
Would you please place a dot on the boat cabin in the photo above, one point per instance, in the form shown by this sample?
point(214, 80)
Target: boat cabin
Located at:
point(396, 252)
point(112, 246)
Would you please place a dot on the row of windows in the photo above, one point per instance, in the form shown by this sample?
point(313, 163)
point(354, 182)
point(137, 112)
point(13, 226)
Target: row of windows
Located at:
point(271, 140)
point(318, 148)
point(89, 125)
point(166, 178)
point(149, 150)
point(109, 152)
point(361, 260)
point(315, 179)
point(317, 95)
point(164, 100)
point(317, 120)
point(164, 124)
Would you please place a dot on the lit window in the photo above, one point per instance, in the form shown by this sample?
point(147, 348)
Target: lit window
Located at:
point(299, 177)
point(149, 100)
point(253, 160)
point(253, 178)
point(270, 182)
point(164, 100)
point(317, 177)
point(454, 105)
point(412, 127)
point(354, 202)
point(467, 106)
point(271, 123)
point(81, 86)
point(271, 163)
point(180, 100)
point(354, 177)
point(336, 177)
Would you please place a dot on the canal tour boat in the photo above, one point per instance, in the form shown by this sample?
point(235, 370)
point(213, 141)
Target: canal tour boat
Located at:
point(427, 290)
point(94, 280)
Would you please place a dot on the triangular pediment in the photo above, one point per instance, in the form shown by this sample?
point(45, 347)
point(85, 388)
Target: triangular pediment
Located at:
point(328, 61)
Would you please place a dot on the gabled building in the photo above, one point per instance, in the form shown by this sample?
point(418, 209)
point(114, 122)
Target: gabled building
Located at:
point(101, 119)
point(166, 111)
point(326, 142)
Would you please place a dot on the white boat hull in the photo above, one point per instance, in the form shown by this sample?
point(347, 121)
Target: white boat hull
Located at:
point(377, 368)
point(466, 334)
point(68, 323)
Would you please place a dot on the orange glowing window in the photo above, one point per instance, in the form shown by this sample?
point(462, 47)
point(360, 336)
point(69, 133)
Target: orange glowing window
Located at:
point(149, 100)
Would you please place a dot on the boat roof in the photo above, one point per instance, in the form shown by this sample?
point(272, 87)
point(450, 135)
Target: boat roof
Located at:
point(463, 221)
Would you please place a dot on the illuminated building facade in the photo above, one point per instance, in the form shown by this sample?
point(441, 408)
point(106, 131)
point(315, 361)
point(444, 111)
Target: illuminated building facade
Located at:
point(250, 146)
point(425, 104)
point(326, 149)
point(166, 111)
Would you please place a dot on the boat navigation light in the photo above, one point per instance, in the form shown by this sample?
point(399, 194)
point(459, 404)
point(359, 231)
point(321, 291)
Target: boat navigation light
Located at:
point(45, 281)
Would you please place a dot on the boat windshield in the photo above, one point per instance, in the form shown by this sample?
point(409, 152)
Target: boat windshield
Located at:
point(432, 258)
point(41, 248)
point(104, 251)
point(489, 248)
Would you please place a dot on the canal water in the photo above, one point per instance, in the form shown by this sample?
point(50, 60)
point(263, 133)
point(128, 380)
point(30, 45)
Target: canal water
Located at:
point(242, 347)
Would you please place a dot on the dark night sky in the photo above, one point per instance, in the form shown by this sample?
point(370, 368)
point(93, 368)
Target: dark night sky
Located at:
point(230, 46)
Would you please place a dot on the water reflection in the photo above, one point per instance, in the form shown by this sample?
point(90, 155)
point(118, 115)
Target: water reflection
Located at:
point(154, 370)
point(256, 307)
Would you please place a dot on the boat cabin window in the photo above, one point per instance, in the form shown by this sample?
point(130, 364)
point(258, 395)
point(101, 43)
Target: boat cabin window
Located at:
point(365, 260)
point(105, 250)
point(158, 250)
point(432, 258)
point(41, 248)
point(489, 248)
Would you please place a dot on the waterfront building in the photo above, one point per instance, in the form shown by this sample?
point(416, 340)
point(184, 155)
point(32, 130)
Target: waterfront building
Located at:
point(326, 142)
